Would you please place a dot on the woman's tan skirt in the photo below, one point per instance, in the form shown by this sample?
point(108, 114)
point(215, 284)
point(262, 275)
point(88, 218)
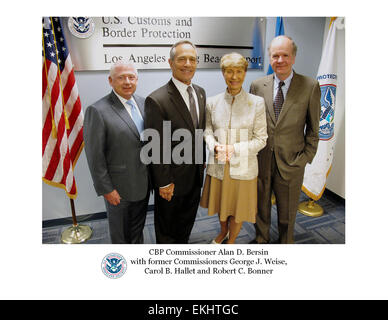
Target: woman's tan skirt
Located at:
point(230, 197)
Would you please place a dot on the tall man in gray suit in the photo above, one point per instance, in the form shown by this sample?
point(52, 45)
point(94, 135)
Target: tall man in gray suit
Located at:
point(112, 130)
point(293, 109)
point(181, 105)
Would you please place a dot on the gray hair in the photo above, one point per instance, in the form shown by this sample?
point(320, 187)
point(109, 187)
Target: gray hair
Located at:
point(173, 50)
point(121, 63)
point(294, 47)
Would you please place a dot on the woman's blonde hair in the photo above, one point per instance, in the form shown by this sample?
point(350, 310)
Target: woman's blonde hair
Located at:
point(233, 59)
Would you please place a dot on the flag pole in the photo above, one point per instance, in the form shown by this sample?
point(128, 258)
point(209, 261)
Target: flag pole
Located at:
point(273, 199)
point(314, 172)
point(76, 233)
point(310, 208)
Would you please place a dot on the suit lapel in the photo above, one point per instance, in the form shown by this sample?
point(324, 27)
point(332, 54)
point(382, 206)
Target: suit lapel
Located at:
point(268, 97)
point(291, 96)
point(118, 107)
point(180, 105)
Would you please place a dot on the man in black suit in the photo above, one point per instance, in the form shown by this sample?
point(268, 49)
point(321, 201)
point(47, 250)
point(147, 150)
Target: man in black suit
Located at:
point(179, 105)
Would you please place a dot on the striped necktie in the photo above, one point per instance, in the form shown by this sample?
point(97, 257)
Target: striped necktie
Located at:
point(193, 109)
point(279, 99)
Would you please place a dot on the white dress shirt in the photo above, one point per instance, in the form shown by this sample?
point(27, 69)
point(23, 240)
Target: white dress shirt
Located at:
point(285, 88)
point(182, 88)
point(126, 105)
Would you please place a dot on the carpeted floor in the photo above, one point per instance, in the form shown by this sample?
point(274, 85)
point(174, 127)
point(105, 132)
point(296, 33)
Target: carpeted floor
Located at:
point(327, 229)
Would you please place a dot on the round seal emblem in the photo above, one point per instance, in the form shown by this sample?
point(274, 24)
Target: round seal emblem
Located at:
point(326, 122)
point(81, 27)
point(114, 265)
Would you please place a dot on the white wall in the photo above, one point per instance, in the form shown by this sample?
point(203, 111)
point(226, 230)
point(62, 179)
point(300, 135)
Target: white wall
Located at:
point(308, 34)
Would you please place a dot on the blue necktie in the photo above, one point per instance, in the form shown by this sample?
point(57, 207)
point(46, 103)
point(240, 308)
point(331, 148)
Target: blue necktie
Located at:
point(136, 117)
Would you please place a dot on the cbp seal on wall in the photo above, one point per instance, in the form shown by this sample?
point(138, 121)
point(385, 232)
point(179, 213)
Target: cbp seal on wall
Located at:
point(326, 122)
point(114, 265)
point(81, 27)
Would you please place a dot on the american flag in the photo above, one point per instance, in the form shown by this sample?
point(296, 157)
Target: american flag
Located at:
point(62, 122)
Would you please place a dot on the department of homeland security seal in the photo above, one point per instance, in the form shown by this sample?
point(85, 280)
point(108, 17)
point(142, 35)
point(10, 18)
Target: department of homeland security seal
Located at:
point(114, 265)
point(81, 27)
point(326, 122)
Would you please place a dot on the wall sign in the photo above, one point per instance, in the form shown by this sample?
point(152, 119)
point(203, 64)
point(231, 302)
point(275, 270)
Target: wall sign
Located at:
point(97, 42)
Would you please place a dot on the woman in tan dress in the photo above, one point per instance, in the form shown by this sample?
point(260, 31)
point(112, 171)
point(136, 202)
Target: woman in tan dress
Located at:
point(236, 131)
